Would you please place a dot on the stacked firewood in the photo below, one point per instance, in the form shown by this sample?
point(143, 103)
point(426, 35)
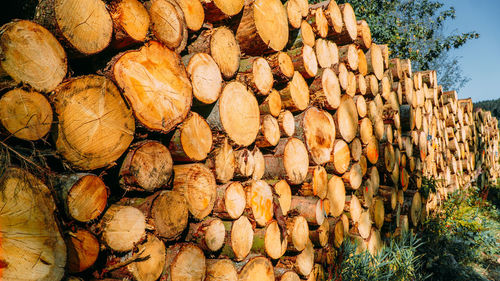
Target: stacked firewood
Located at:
point(220, 140)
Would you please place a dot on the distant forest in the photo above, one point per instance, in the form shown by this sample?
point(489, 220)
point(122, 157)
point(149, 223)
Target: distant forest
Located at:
point(491, 105)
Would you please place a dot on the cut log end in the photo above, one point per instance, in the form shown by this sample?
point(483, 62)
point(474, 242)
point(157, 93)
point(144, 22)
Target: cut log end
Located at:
point(26, 115)
point(43, 58)
point(205, 77)
point(123, 227)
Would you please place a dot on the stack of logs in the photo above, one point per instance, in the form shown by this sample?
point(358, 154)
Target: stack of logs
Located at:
point(222, 140)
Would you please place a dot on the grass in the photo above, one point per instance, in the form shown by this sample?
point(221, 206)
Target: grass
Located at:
point(460, 242)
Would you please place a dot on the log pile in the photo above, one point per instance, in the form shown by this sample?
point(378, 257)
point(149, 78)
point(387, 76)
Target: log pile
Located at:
point(219, 140)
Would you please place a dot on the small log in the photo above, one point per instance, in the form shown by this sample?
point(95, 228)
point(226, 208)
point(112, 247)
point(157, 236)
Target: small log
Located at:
point(375, 61)
point(356, 149)
point(291, 161)
point(260, 199)
point(82, 250)
point(304, 61)
point(334, 16)
point(122, 227)
point(317, 179)
point(230, 202)
point(272, 104)
point(320, 236)
point(284, 194)
point(245, 164)
point(184, 261)
point(242, 128)
point(209, 234)
point(286, 121)
point(147, 167)
point(353, 177)
point(364, 37)
point(364, 224)
point(256, 268)
point(269, 132)
point(323, 53)
point(317, 130)
point(268, 241)
point(260, 164)
point(346, 119)
point(193, 13)
point(84, 196)
point(348, 54)
point(298, 233)
point(349, 29)
point(145, 264)
point(240, 240)
point(130, 22)
point(222, 162)
point(310, 208)
point(192, 140)
point(336, 196)
point(256, 73)
point(325, 90)
point(26, 115)
point(206, 78)
point(197, 183)
point(220, 269)
point(216, 11)
point(302, 263)
point(263, 27)
point(281, 66)
point(42, 64)
point(168, 23)
point(340, 158)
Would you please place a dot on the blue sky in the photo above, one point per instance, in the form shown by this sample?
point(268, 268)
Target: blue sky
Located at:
point(480, 58)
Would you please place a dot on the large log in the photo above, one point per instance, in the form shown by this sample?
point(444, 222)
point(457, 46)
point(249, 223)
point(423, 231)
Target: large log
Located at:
point(256, 268)
point(64, 19)
point(147, 167)
point(144, 75)
point(25, 114)
point(42, 62)
point(95, 125)
point(31, 239)
point(263, 27)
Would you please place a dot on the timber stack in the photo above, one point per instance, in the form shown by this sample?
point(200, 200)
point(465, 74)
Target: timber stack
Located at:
point(216, 140)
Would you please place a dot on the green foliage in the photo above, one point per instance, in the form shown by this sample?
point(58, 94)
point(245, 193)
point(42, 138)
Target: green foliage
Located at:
point(414, 29)
point(398, 260)
point(490, 105)
point(461, 237)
